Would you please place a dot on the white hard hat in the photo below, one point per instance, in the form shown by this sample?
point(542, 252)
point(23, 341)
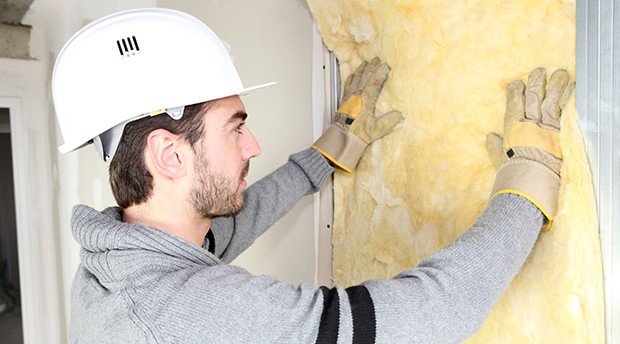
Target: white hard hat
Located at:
point(136, 63)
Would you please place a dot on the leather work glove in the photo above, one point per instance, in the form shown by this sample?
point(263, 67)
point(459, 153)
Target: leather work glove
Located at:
point(355, 125)
point(529, 155)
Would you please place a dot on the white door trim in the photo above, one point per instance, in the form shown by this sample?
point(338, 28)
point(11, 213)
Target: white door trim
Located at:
point(324, 101)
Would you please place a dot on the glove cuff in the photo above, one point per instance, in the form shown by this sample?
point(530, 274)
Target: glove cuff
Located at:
point(533, 181)
point(340, 147)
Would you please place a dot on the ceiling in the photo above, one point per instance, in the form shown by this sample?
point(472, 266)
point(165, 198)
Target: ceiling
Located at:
point(12, 11)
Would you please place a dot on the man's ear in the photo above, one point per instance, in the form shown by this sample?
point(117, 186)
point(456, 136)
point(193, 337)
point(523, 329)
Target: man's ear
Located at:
point(167, 153)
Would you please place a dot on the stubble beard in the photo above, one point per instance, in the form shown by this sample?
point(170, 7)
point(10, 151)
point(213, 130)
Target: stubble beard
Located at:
point(213, 194)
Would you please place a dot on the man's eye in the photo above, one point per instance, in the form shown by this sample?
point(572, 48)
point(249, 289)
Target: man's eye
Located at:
point(239, 128)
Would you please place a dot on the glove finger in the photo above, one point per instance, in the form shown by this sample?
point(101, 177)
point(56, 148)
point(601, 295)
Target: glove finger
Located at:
point(550, 107)
point(495, 148)
point(352, 85)
point(566, 94)
point(373, 88)
point(379, 127)
point(370, 69)
point(534, 93)
point(515, 107)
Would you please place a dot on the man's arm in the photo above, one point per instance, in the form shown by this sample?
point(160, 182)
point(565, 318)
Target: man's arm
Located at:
point(453, 291)
point(267, 200)
point(443, 300)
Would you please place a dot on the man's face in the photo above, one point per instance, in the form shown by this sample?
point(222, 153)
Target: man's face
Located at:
point(222, 160)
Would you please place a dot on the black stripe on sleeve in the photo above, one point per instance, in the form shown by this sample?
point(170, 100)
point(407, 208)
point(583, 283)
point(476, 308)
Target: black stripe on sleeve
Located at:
point(330, 318)
point(363, 313)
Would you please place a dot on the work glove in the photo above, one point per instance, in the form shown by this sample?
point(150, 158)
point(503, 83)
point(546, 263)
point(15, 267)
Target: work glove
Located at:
point(529, 156)
point(355, 125)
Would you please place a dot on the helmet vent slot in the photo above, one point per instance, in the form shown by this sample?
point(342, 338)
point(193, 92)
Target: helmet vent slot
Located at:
point(128, 46)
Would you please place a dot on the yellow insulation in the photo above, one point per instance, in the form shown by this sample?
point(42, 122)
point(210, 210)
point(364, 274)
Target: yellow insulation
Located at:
point(420, 187)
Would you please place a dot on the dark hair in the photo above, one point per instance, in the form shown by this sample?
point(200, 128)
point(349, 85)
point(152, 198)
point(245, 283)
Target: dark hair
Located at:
point(130, 180)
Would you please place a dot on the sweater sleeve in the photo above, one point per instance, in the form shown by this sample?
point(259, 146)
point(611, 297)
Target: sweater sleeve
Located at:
point(444, 299)
point(266, 201)
point(449, 295)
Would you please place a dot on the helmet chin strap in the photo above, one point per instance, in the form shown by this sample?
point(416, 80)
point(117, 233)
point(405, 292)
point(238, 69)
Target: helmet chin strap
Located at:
point(107, 142)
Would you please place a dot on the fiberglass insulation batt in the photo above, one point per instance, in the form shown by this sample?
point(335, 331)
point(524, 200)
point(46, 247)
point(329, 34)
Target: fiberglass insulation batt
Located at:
point(420, 187)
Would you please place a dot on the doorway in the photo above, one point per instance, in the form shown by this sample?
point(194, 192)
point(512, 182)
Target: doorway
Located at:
point(10, 305)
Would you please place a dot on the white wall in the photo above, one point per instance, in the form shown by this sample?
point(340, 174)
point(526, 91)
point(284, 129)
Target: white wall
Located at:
point(271, 41)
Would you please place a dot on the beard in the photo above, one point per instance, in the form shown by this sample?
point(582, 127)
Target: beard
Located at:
point(213, 194)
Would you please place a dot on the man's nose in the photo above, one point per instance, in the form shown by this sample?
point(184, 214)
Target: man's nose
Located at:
point(251, 148)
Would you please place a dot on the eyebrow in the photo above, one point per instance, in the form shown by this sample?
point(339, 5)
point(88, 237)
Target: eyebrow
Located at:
point(238, 116)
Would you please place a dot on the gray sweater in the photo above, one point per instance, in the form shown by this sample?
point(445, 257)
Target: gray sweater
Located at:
point(142, 285)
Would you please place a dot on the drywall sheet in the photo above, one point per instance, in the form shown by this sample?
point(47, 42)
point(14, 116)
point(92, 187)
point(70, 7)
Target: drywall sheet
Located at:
point(419, 188)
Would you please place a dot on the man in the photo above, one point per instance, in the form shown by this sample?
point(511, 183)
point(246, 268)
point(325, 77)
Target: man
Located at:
point(153, 270)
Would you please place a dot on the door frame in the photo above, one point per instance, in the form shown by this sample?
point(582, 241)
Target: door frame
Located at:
point(23, 92)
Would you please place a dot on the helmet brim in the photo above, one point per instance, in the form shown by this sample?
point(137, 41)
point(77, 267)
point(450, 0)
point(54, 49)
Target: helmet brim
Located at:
point(255, 88)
